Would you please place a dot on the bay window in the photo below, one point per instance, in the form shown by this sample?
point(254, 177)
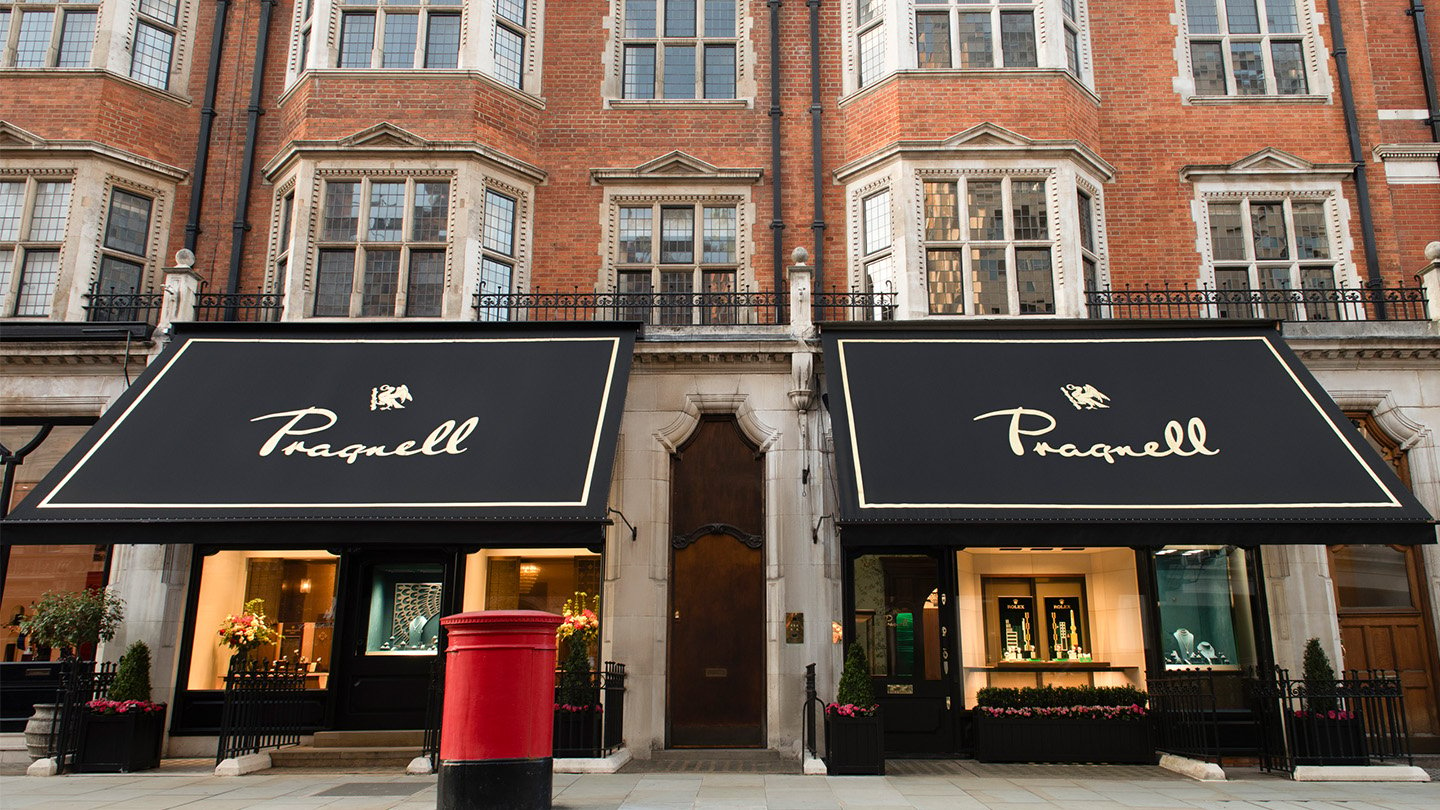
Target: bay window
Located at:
point(988, 246)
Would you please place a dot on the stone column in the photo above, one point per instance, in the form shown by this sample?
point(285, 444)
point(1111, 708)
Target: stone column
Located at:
point(151, 579)
point(182, 291)
point(801, 276)
point(1429, 277)
point(1302, 603)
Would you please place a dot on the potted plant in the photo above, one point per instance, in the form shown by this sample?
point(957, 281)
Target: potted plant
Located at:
point(123, 733)
point(245, 632)
point(854, 731)
point(577, 708)
point(1063, 724)
point(1324, 732)
point(73, 622)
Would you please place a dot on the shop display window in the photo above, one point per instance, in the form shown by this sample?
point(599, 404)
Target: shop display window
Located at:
point(897, 615)
point(297, 593)
point(405, 605)
point(1036, 619)
point(534, 579)
point(1371, 578)
point(1206, 607)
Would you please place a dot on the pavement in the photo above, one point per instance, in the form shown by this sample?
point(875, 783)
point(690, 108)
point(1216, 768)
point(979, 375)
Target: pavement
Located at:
point(912, 785)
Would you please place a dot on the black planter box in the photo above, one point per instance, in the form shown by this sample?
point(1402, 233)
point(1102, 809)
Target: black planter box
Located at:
point(854, 746)
point(1328, 741)
point(577, 734)
point(120, 743)
point(1063, 739)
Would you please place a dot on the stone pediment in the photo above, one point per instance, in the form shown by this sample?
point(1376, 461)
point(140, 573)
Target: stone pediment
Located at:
point(986, 134)
point(383, 134)
point(11, 135)
point(1267, 162)
point(677, 167)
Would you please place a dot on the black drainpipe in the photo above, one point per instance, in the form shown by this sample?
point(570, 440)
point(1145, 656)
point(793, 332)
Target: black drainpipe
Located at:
point(247, 165)
point(817, 227)
point(207, 124)
point(1357, 156)
point(1427, 67)
point(777, 221)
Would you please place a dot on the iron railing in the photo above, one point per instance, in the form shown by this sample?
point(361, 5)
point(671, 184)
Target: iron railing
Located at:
point(676, 309)
point(1364, 303)
point(122, 306)
point(1184, 714)
point(264, 707)
point(80, 683)
point(434, 711)
point(810, 714)
point(255, 307)
point(1354, 720)
point(590, 733)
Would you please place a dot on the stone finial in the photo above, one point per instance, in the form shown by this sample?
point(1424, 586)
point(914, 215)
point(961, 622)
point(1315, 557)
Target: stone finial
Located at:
point(1432, 252)
point(800, 255)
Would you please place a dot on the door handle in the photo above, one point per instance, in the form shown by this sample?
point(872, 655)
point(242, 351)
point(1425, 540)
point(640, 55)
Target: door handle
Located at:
point(677, 615)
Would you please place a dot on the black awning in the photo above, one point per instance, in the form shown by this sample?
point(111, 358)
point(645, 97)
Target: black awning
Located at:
point(1135, 436)
point(376, 427)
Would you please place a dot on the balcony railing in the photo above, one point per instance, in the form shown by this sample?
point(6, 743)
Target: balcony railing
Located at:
point(122, 306)
point(677, 309)
point(256, 307)
point(1365, 303)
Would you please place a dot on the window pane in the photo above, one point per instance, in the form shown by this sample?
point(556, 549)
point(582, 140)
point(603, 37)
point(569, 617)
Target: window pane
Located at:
point(932, 40)
point(387, 212)
point(1281, 18)
point(512, 10)
point(877, 222)
point(1092, 273)
point(1371, 577)
point(1017, 39)
point(151, 62)
point(34, 39)
point(332, 283)
point(720, 308)
point(1028, 209)
point(1243, 17)
point(942, 216)
point(639, 71)
point(509, 53)
point(162, 10)
point(1068, 8)
point(381, 280)
point(677, 235)
point(1203, 17)
point(494, 279)
point(675, 305)
point(357, 40)
point(635, 229)
point(975, 46)
point(719, 71)
point(342, 211)
point(499, 223)
point(128, 224)
point(1087, 220)
point(7, 271)
point(37, 282)
point(1035, 281)
point(991, 291)
point(52, 206)
point(719, 236)
point(1275, 278)
point(944, 275)
point(425, 287)
point(639, 18)
point(1072, 51)
point(866, 10)
point(442, 41)
point(1289, 68)
point(719, 18)
point(432, 210)
point(118, 277)
point(680, 71)
point(1249, 68)
point(638, 285)
point(401, 33)
point(12, 201)
point(76, 39)
point(1311, 239)
point(872, 54)
point(679, 18)
point(1208, 67)
point(983, 199)
point(1227, 234)
point(1267, 226)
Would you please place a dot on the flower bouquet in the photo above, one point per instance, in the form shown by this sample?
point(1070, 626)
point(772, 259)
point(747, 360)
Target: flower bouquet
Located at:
point(248, 630)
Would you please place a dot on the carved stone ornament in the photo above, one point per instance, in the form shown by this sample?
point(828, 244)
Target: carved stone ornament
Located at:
point(681, 541)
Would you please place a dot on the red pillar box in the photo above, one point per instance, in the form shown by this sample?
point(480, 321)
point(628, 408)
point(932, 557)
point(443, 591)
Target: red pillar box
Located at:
point(496, 740)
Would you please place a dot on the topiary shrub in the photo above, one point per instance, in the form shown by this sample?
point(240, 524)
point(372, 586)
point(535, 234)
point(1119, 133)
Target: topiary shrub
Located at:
point(856, 689)
point(1319, 678)
point(132, 677)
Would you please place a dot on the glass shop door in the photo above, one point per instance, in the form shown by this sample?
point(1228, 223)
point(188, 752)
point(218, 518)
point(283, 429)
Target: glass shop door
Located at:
point(391, 637)
point(903, 615)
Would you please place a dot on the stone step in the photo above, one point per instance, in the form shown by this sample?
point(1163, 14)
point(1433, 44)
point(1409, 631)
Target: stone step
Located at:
point(732, 754)
point(368, 739)
point(306, 756)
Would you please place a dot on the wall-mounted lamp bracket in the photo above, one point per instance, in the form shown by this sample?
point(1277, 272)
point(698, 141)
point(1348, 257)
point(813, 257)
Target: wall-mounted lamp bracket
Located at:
point(634, 533)
point(815, 532)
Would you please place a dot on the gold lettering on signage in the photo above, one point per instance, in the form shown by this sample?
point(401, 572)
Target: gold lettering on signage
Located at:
point(1182, 442)
point(445, 439)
